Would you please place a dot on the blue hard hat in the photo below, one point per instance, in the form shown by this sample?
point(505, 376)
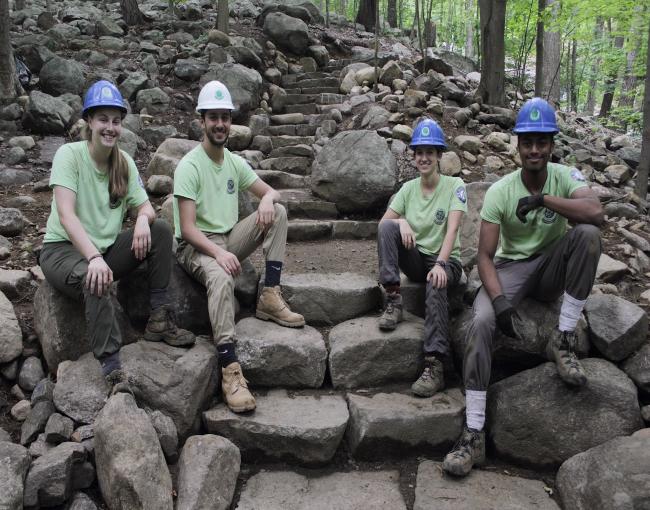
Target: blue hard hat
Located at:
point(428, 132)
point(102, 93)
point(536, 116)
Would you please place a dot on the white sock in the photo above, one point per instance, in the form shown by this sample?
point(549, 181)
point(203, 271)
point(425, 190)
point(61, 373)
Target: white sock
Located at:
point(475, 409)
point(570, 312)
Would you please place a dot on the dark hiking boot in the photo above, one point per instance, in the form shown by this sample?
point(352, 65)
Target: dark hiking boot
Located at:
point(560, 349)
point(162, 326)
point(432, 379)
point(118, 382)
point(468, 452)
point(393, 313)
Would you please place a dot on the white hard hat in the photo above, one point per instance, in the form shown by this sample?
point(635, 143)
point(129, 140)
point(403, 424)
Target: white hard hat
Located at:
point(214, 96)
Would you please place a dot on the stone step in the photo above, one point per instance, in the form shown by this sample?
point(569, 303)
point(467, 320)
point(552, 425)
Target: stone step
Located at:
point(282, 180)
point(293, 99)
point(361, 355)
point(288, 119)
point(331, 98)
point(300, 203)
point(312, 230)
point(309, 230)
point(304, 151)
point(290, 164)
point(284, 140)
point(301, 108)
point(303, 428)
point(274, 356)
point(292, 79)
point(356, 490)
point(321, 90)
point(396, 423)
point(329, 81)
point(292, 130)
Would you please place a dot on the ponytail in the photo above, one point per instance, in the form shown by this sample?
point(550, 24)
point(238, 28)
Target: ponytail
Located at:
point(118, 170)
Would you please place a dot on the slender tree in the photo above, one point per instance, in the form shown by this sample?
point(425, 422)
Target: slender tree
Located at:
point(392, 13)
point(9, 84)
point(551, 58)
point(610, 81)
point(644, 163)
point(223, 15)
point(469, 28)
point(493, 20)
point(573, 86)
point(131, 13)
point(539, 49)
point(595, 65)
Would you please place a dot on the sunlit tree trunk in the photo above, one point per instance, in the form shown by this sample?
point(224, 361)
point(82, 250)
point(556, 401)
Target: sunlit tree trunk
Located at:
point(366, 14)
point(591, 90)
point(392, 13)
point(610, 84)
point(573, 86)
point(644, 163)
point(493, 20)
point(469, 29)
point(131, 12)
point(9, 84)
point(551, 60)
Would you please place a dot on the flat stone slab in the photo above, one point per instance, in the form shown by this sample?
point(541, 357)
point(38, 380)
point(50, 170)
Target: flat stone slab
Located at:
point(399, 422)
point(356, 490)
point(331, 298)
point(480, 490)
point(361, 355)
point(272, 355)
point(309, 230)
point(305, 428)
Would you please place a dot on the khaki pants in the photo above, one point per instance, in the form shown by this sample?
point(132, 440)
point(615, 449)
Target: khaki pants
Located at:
point(241, 241)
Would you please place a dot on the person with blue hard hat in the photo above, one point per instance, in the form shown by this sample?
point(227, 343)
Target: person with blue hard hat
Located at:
point(527, 212)
point(419, 234)
point(94, 184)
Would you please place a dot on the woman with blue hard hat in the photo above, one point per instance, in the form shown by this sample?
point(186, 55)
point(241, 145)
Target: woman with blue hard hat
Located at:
point(94, 183)
point(419, 234)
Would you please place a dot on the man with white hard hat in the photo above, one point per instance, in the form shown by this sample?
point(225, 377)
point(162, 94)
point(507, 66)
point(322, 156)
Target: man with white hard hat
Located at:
point(212, 242)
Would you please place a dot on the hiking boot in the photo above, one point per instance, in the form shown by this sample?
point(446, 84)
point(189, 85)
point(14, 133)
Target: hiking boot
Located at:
point(432, 379)
point(393, 312)
point(162, 326)
point(235, 389)
point(560, 349)
point(271, 306)
point(469, 451)
point(118, 382)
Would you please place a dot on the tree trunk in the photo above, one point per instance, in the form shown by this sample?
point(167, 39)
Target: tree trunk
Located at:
point(539, 49)
point(552, 60)
point(630, 79)
point(591, 96)
point(469, 29)
point(223, 16)
point(493, 20)
point(392, 13)
point(610, 85)
point(366, 14)
point(9, 84)
point(131, 12)
point(430, 34)
point(644, 163)
point(19, 5)
point(573, 86)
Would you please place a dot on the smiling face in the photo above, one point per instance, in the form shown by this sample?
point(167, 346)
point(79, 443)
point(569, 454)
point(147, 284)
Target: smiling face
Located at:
point(426, 159)
point(216, 126)
point(105, 125)
point(535, 150)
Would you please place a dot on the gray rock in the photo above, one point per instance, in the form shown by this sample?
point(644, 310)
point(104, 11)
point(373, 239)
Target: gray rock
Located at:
point(244, 84)
point(560, 421)
point(450, 164)
point(375, 117)
point(240, 137)
point(616, 327)
point(58, 429)
point(167, 156)
point(20, 411)
point(107, 26)
point(306, 428)
point(13, 469)
point(11, 336)
point(469, 230)
point(362, 355)
point(46, 114)
point(612, 475)
point(30, 373)
point(155, 135)
point(10, 370)
point(275, 356)
point(131, 466)
point(80, 390)
point(160, 185)
point(468, 143)
point(631, 155)
point(80, 501)
point(36, 421)
point(190, 69)
point(11, 221)
point(4, 436)
point(129, 142)
point(330, 298)
point(154, 100)
point(167, 435)
point(14, 176)
point(287, 32)
point(60, 75)
point(12, 281)
point(635, 240)
point(40, 447)
point(15, 155)
point(637, 367)
point(354, 490)
point(207, 473)
point(133, 83)
point(610, 270)
point(480, 489)
point(319, 54)
point(399, 423)
point(356, 170)
point(44, 390)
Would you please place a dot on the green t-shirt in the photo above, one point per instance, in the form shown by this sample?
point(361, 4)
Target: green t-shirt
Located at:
point(73, 168)
point(213, 187)
point(428, 216)
point(543, 226)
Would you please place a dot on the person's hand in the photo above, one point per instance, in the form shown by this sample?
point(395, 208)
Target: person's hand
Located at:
point(437, 276)
point(507, 317)
point(98, 276)
point(141, 237)
point(265, 213)
point(408, 236)
point(229, 262)
point(527, 204)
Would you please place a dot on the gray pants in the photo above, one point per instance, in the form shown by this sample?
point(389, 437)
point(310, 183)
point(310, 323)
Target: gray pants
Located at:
point(568, 265)
point(65, 269)
point(393, 256)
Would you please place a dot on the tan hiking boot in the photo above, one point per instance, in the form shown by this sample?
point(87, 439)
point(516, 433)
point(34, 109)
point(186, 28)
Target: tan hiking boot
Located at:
point(468, 452)
point(235, 389)
point(560, 349)
point(393, 313)
point(432, 379)
point(271, 306)
point(162, 326)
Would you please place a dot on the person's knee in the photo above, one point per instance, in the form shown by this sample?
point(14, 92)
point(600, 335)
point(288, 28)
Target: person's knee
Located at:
point(589, 237)
point(280, 213)
point(217, 280)
point(386, 228)
point(160, 228)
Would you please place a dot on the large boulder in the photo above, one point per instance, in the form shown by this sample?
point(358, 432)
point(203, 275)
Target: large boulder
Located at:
point(244, 84)
point(155, 101)
point(46, 114)
point(637, 367)
point(13, 469)
point(167, 156)
point(287, 32)
point(612, 475)
point(356, 170)
point(535, 419)
point(131, 467)
point(11, 337)
point(59, 76)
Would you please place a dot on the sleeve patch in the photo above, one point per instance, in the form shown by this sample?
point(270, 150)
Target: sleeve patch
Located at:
point(576, 175)
point(461, 194)
point(140, 180)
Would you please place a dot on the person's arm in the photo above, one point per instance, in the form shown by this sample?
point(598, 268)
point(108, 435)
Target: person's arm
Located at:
point(99, 276)
point(268, 196)
point(405, 230)
point(487, 247)
point(438, 275)
point(193, 235)
point(582, 207)
point(141, 232)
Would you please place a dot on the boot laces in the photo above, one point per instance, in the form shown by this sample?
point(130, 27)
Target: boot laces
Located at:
point(568, 344)
point(239, 381)
point(463, 446)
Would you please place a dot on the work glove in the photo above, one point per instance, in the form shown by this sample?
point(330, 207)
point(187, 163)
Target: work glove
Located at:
point(507, 317)
point(527, 204)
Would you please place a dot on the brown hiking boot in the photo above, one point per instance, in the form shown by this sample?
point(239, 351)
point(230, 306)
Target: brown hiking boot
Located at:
point(162, 326)
point(118, 382)
point(235, 389)
point(560, 350)
point(469, 451)
point(393, 312)
point(432, 379)
point(271, 306)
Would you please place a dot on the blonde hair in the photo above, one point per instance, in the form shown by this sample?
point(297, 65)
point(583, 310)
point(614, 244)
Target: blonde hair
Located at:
point(118, 169)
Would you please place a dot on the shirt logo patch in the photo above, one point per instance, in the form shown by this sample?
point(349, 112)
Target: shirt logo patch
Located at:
point(576, 175)
point(230, 187)
point(440, 217)
point(460, 194)
point(549, 216)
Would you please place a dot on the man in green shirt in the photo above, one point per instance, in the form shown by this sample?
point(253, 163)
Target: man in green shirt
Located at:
point(206, 186)
point(528, 211)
